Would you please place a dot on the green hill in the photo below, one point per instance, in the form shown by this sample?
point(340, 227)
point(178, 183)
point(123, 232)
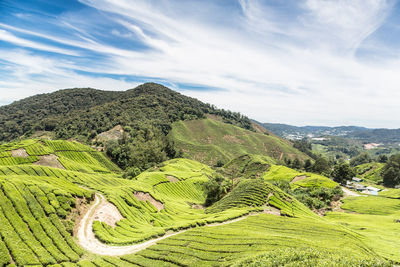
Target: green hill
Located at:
point(83, 111)
point(209, 141)
point(144, 115)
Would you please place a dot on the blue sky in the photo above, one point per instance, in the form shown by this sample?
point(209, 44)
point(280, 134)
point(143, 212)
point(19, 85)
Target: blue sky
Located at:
point(306, 62)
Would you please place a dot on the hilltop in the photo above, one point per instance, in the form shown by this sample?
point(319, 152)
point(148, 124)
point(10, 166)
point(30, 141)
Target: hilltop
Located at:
point(81, 112)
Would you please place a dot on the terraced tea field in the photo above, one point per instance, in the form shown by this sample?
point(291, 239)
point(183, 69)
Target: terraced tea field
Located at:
point(42, 206)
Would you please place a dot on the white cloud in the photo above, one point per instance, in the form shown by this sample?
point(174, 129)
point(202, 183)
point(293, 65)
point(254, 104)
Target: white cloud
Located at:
point(9, 37)
point(50, 74)
point(347, 22)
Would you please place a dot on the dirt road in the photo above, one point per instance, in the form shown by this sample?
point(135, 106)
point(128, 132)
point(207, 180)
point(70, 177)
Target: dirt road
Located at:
point(348, 193)
point(89, 242)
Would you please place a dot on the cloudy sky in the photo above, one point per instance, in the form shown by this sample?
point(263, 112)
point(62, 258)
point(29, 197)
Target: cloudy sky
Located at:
point(305, 62)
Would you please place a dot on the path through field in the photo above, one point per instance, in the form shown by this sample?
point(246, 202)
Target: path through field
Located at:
point(89, 242)
point(348, 193)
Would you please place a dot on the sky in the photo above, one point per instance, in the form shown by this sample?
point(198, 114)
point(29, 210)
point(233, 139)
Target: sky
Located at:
point(304, 62)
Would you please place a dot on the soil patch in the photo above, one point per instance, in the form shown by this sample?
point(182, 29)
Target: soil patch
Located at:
point(298, 178)
point(198, 207)
point(214, 117)
point(49, 161)
point(76, 215)
point(232, 139)
point(19, 153)
point(172, 179)
point(108, 214)
point(114, 134)
point(146, 196)
point(208, 140)
point(273, 211)
point(336, 206)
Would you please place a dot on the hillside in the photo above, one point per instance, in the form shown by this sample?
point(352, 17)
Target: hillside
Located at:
point(201, 187)
point(81, 112)
point(210, 140)
point(80, 212)
point(139, 120)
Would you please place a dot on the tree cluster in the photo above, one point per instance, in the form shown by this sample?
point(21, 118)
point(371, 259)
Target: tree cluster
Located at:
point(391, 171)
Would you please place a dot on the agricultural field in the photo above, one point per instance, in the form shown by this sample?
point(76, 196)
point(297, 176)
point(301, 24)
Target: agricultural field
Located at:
point(47, 187)
point(297, 179)
point(210, 141)
point(371, 172)
point(374, 218)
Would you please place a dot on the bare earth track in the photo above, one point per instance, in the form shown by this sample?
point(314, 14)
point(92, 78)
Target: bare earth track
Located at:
point(349, 193)
point(89, 242)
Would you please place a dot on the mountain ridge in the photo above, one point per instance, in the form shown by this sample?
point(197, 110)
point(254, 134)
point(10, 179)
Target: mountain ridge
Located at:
point(364, 134)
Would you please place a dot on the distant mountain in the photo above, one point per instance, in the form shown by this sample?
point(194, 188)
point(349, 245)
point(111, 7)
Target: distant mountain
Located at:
point(377, 135)
point(354, 132)
point(298, 132)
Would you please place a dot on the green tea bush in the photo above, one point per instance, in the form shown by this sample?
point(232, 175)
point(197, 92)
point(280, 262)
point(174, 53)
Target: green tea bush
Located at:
point(309, 257)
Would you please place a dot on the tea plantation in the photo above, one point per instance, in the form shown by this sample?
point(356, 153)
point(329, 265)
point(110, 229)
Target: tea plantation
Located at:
point(47, 186)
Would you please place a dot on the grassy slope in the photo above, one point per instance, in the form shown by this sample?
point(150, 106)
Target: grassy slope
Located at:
point(209, 140)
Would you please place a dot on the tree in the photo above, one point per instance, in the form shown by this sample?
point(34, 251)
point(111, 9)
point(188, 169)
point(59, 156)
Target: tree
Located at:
point(304, 146)
point(308, 165)
point(391, 171)
point(342, 173)
point(296, 164)
point(360, 159)
point(321, 165)
point(382, 158)
point(216, 188)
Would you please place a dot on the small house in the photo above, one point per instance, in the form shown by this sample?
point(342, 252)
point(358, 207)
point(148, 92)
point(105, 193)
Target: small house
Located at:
point(373, 191)
point(360, 187)
point(356, 179)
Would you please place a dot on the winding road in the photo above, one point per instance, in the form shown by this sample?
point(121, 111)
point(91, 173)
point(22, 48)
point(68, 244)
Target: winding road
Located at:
point(88, 241)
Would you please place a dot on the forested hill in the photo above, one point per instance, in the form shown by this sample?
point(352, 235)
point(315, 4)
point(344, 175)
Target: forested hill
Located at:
point(86, 112)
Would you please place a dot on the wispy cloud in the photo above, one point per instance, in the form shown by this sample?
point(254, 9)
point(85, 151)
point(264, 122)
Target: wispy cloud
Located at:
point(276, 60)
point(10, 38)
